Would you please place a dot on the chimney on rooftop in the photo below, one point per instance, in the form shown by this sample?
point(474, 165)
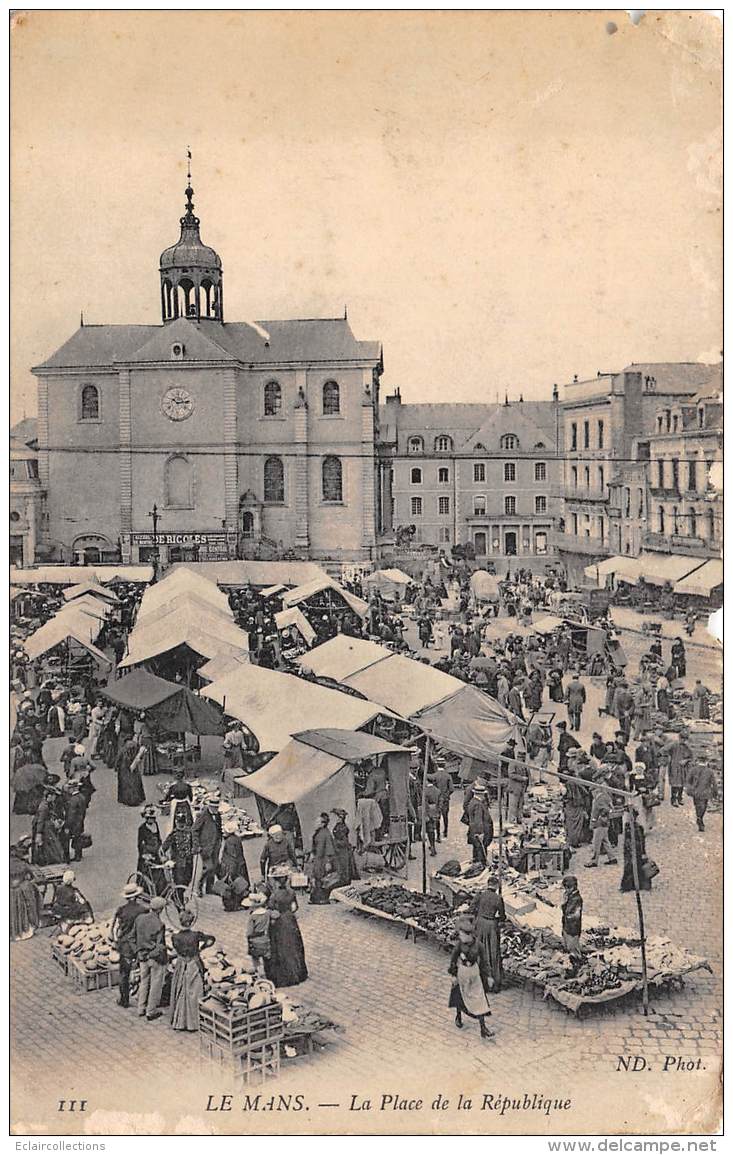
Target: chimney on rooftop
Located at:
point(575, 377)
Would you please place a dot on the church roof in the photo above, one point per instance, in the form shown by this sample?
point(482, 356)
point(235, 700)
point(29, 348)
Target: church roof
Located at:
point(26, 430)
point(314, 339)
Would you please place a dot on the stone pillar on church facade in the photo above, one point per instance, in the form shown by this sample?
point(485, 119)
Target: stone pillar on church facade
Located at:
point(368, 519)
point(300, 461)
point(125, 465)
point(231, 472)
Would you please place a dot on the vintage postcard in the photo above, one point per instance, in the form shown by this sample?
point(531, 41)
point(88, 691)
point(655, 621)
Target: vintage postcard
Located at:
point(366, 721)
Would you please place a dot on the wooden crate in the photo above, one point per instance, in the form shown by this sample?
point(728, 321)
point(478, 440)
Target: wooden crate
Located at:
point(85, 981)
point(237, 1029)
point(60, 956)
point(252, 1066)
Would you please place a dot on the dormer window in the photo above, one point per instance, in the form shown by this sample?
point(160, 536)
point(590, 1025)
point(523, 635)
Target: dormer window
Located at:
point(415, 445)
point(443, 444)
point(177, 351)
point(509, 441)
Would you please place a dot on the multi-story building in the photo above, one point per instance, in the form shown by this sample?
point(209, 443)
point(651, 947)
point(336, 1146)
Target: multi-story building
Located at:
point(685, 476)
point(240, 437)
point(485, 475)
point(26, 499)
point(608, 422)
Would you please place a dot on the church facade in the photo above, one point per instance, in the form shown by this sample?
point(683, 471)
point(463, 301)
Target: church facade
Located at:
point(202, 439)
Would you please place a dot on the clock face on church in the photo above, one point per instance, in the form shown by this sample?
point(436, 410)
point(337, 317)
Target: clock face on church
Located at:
point(177, 404)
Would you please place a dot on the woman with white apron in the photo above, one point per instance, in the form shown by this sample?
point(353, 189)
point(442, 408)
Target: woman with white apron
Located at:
point(469, 967)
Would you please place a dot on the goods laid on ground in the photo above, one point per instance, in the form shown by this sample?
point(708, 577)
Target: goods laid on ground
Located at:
point(87, 956)
point(202, 788)
point(532, 948)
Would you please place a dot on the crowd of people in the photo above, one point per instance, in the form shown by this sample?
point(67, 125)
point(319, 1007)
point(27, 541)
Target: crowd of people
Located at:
point(612, 787)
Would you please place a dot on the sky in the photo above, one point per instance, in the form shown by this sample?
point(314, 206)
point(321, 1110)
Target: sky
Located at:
point(502, 199)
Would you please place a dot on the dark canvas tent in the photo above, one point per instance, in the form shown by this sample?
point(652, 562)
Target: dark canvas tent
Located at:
point(171, 707)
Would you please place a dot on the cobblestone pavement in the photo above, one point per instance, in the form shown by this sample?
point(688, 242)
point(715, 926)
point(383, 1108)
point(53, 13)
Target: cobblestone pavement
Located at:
point(389, 994)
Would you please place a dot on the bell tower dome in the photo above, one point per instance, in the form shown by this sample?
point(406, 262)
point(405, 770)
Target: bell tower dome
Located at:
point(190, 273)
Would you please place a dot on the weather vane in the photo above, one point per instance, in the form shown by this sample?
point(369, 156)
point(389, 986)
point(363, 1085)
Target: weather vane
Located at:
point(188, 154)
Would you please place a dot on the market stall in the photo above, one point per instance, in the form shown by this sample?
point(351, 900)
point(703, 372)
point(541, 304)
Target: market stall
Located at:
point(324, 595)
point(613, 570)
point(172, 712)
point(65, 644)
point(660, 569)
point(705, 582)
point(92, 588)
point(390, 583)
point(295, 632)
point(327, 769)
point(485, 588)
point(70, 575)
point(275, 705)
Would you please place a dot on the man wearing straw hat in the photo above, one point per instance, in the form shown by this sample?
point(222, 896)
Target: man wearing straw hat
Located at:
point(123, 934)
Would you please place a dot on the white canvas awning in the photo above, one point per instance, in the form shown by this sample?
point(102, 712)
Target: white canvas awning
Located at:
point(702, 581)
point(318, 585)
point(183, 581)
point(342, 656)
point(659, 568)
point(254, 573)
point(626, 569)
point(71, 575)
point(221, 665)
point(205, 634)
point(294, 617)
point(64, 627)
point(275, 705)
point(90, 587)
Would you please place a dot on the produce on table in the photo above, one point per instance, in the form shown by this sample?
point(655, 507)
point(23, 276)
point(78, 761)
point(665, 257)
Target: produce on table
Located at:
point(90, 945)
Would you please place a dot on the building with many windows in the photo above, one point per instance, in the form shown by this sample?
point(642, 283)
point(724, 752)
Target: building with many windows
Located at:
point(484, 475)
point(685, 476)
point(610, 422)
point(245, 439)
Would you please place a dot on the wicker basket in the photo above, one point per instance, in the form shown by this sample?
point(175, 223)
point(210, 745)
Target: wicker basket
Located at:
point(238, 1029)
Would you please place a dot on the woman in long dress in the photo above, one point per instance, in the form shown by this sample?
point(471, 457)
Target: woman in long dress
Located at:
point(700, 705)
point(25, 900)
point(147, 744)
point(187, 987)
point(232, 867)
point(178, 846)
point(489, 912)
point(28, 784)
point(576, 810)
point(554, 683)
point(322, 860)
point(469, 967)
point(48, 822)
point(627, 878)
point(130, 789)
point(287, 957)
point(344, 860)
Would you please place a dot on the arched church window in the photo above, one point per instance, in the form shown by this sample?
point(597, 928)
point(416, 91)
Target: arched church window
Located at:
point(179, 482)
point(274, 479)
point(90, 403)
point(332, 479)
point(273, 399)
point(331, 399)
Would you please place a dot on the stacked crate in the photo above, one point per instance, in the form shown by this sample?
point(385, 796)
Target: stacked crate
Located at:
point(245, 1041)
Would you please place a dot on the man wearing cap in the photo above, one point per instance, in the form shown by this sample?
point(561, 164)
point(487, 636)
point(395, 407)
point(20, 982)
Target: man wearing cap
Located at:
point(598, 747)
point(600, 818)
point(123, 934)
point(444, 784)
point(76, 809)
point(153, 956)
point(207, 843)
point(680, 759)
point(701, 787)
point(572, 917)
point(575, 699)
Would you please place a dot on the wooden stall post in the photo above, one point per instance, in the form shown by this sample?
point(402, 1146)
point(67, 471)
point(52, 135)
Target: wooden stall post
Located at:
point(423, 827)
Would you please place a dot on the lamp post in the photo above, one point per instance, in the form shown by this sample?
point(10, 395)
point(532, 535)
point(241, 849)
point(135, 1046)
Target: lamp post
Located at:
point(156, 555)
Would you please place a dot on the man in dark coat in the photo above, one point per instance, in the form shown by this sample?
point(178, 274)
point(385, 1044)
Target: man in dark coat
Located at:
point(680, 758)
point(76, 809)
point(123, 934)
point(701, 786)
point(444, 783)
point(572, 917)
point(575, 698)
point(207, 842)
point(480, 822)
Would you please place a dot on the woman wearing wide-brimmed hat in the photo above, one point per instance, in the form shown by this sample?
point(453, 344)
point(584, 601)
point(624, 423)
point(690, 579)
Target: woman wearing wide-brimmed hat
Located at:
point(469, 967)
point(149, 846)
